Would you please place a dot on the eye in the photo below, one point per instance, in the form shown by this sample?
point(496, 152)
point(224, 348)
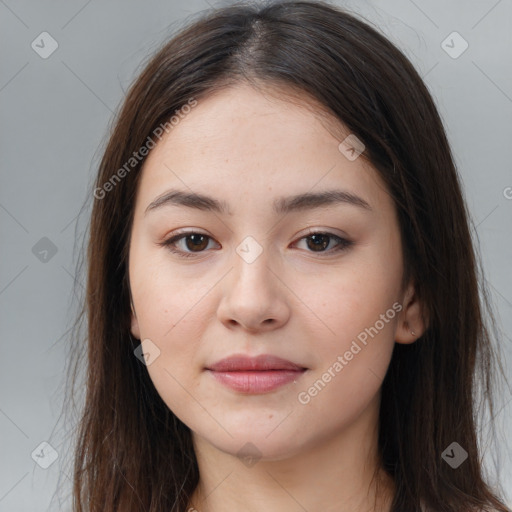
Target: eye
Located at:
point(198, 242)
point(320, 240)
point(195, 243)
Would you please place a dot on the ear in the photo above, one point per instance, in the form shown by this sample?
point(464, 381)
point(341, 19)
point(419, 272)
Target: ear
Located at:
point(411, 324)
point(135, 330)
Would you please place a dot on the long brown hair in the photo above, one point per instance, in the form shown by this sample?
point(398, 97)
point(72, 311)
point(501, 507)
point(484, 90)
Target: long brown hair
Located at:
point(132, 453)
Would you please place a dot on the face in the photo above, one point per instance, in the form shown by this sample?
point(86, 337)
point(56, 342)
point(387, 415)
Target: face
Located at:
point(316, 283)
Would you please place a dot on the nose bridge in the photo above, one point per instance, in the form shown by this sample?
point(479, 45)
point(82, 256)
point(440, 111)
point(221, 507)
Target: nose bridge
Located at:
point(253, 265)
point(253, 296)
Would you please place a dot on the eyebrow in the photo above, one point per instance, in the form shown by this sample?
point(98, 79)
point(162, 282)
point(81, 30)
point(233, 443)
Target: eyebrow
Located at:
point(282, 205)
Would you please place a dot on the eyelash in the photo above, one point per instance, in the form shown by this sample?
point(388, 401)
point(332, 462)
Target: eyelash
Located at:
point(343, 243)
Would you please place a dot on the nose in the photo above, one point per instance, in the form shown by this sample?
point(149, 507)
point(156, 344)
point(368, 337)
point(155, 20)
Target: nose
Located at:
point(255, 297)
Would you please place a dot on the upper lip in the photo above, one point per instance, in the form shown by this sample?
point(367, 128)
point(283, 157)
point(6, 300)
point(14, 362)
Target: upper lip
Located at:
point(241, 362)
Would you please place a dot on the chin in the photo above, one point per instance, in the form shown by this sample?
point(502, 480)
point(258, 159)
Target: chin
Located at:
point(250, 446)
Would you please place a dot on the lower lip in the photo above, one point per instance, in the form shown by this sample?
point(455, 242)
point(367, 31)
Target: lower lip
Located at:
point(256, 381)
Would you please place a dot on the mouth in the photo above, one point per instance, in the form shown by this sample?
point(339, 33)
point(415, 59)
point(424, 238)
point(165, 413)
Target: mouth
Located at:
point(256, 382)
point(255, 375)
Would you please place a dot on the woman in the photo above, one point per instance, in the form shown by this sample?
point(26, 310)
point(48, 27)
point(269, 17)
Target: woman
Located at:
point(282, 296)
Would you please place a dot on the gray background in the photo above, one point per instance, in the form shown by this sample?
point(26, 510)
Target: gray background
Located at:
point(54, 116)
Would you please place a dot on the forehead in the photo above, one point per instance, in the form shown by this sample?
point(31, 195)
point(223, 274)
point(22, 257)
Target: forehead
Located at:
point(242, 142)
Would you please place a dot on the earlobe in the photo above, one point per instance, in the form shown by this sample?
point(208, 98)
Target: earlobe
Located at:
point(411, 324)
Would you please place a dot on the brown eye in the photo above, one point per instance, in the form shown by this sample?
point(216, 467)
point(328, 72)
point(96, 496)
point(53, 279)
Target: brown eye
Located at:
point(194, 243)
point(318, 242)
point(197, 241)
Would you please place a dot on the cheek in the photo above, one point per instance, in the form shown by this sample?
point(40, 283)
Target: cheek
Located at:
point(359, 311)
point(165, 296)
point(171, 312)
point(351, 369)
point(175, 327)
point(347, 301)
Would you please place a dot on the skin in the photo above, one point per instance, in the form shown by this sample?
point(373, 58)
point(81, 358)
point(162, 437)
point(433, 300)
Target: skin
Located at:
point(247, 148)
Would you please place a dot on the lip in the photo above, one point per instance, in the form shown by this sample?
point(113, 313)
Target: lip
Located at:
point(255, 375)
point(241, 362)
